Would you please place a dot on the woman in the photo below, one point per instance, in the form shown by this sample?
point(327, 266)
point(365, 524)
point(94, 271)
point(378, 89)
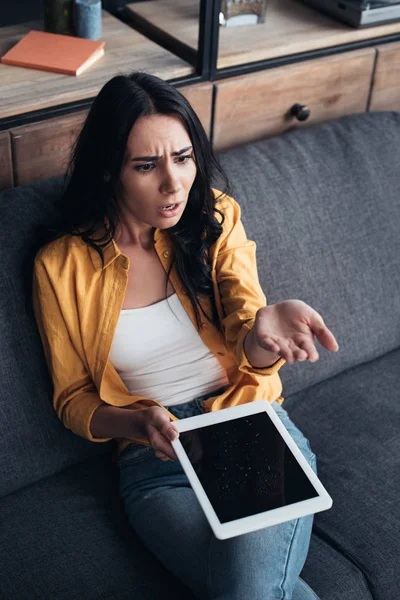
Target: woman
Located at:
point(143, 245)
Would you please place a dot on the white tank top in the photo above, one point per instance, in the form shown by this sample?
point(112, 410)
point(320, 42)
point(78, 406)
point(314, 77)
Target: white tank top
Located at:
point(158, 354)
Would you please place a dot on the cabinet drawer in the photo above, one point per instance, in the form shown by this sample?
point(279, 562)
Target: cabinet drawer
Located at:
point(200, 97)
point(41, 150)
point(258, 105)
point(386, 87)
point(6, 174)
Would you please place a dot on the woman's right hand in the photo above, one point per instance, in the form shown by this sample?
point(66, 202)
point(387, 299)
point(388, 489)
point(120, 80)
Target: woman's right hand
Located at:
point(160, 431)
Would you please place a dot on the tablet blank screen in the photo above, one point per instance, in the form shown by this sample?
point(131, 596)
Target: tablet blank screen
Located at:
point(245, 467)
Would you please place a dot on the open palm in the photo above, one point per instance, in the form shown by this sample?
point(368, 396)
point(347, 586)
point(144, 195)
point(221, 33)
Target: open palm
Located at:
point(288, 328)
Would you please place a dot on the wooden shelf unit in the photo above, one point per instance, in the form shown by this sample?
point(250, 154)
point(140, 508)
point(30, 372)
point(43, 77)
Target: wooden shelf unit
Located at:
point(233, 109)
point(25, 90)
point(290, 28)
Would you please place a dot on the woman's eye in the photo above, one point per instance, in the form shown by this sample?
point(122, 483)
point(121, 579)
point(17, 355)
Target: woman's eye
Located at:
point(148, 167)
point(145, 168)
point(183, 159)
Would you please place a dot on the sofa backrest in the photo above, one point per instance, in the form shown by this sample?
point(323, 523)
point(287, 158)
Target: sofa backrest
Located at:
point(323, 206)
point(33, 441)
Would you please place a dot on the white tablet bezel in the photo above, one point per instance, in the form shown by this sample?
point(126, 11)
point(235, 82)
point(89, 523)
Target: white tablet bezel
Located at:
point(265, 519)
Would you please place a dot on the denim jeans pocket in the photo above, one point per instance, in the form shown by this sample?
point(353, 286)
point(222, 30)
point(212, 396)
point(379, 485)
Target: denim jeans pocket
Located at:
point(135, 453)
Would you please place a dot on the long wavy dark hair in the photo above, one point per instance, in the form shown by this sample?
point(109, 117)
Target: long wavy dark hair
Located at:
point(89, 200)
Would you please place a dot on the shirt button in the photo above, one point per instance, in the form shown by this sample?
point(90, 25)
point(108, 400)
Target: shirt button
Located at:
point(166, 254)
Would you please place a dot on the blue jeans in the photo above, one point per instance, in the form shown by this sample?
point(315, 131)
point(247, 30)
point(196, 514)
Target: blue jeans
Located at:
point(164, 512)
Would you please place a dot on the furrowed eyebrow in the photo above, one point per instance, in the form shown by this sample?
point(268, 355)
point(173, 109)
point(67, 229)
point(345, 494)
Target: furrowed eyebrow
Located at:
point(153, 158)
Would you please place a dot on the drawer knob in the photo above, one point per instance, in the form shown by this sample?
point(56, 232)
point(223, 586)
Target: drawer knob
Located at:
point(300, 111)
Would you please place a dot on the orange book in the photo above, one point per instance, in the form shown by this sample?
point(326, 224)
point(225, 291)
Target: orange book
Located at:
point(54, 52)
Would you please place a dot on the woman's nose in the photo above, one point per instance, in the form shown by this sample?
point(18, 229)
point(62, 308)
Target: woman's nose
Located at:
point(170, 183)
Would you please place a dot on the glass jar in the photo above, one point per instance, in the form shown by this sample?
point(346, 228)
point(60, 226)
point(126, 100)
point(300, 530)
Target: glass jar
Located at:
point(241, 12)
point(58, 16)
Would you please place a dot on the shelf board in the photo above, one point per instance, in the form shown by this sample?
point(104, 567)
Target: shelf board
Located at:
point(179, 20)
point(290, 27)
point(25, 90)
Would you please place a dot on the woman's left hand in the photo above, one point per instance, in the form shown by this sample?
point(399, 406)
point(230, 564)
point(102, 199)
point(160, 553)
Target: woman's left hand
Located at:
point(287, 328)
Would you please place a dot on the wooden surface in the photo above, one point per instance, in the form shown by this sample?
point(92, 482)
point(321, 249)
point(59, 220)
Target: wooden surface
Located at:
point(24, 90)
point(290, 27)
point(386, 89)
point(41, 150)
point(178, 19)
point(257, 105)
point(6, 175)
point(200, 97)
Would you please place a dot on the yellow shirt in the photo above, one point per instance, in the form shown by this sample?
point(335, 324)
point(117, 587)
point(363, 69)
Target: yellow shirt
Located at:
point(77, 303)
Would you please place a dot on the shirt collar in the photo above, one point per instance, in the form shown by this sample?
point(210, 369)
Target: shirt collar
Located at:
point(111, 251)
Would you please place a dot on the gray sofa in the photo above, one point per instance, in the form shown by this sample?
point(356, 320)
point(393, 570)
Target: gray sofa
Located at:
point(323, 205)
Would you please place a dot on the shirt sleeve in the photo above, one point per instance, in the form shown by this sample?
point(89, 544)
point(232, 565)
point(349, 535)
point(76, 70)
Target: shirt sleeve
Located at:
point(239, 288)
point(75, 397)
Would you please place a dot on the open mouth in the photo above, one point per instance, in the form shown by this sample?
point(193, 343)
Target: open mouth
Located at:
point(170, 210)
point(169, 207)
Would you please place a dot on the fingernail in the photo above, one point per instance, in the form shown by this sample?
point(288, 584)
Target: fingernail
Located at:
point(173, 434)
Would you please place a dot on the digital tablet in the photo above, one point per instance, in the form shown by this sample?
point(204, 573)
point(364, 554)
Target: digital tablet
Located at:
point(246, 470)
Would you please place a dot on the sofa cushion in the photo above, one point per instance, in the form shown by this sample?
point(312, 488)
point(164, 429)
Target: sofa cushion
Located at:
point(66, 537)
point(33, 442)
point(331, 575)
point(353, 424)
point(323, 205)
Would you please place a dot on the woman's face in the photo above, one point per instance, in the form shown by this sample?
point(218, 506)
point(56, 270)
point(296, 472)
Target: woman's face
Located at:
point(159, 170)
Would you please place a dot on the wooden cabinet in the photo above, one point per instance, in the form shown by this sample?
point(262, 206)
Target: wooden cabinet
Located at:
point(6, 174)
point(250, 107)
point(386, 86)
point(41, 150)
